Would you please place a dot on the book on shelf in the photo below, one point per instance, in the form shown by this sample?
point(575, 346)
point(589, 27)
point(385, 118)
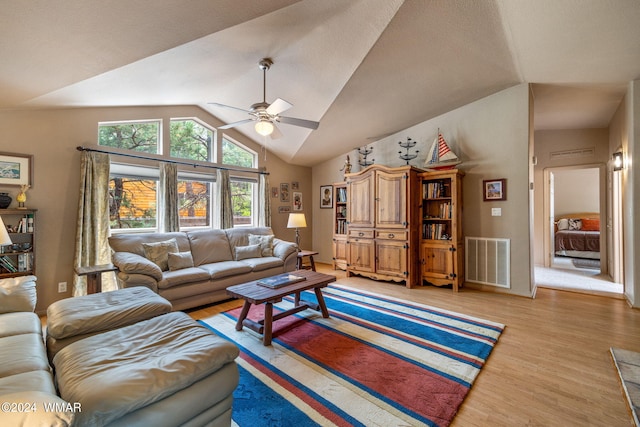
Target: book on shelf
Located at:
point(341, 194)
point(280, 280)
point(7, 263)
point(434, 190)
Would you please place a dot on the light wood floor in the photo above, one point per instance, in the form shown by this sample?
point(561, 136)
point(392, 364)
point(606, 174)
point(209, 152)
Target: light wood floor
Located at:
point(551, 366)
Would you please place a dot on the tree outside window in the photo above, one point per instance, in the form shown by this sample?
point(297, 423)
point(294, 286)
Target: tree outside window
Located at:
point(136, 136)
point(189, 139)
point(132, 203)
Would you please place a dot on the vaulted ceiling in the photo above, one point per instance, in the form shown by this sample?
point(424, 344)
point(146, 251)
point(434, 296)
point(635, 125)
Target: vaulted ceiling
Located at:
point(362, 68)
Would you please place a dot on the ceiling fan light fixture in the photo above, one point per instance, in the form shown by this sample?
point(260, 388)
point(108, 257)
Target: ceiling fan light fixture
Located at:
point(264, 127)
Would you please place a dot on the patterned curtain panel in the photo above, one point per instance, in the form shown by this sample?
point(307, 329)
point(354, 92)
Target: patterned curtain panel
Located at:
point(264, 218)
point(224, 196)
point(168, 215)
point(92, 230)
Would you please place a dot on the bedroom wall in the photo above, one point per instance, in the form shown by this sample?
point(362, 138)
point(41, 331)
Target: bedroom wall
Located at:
point(547, 142)
point(576, 190)
point(52, 137)
point(491, 136)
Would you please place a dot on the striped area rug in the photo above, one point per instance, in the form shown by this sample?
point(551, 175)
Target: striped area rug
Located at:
point(377, 361)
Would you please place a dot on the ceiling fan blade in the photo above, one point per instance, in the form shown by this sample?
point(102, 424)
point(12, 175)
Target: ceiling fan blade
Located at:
point(278, 106)
point(276, 134)
point(299, 122)
point(228, 106)
point(234, 124)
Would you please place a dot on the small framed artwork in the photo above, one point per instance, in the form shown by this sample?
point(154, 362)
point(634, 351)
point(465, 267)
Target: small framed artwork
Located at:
point(326, 196)
point(274, 192)
point(297, 201)
point(16, 169)
point(284, 209)
point(494, 189)
point(295, 185)
point(284, 192)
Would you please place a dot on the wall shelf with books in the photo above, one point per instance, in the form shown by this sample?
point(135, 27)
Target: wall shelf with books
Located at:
point(18, 258)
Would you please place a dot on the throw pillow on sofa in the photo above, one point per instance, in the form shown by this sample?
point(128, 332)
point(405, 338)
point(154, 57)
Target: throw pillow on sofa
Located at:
point(265, 242)
point(158, 252)
point(18, 294)
point(245, 252)
point(180, 260)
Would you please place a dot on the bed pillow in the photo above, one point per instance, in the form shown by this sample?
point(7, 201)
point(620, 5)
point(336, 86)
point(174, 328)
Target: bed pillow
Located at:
point(575, 224)
point(590, 224)
point(563, 224)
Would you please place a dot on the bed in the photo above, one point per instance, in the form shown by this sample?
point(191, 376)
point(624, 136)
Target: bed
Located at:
point(577, 235)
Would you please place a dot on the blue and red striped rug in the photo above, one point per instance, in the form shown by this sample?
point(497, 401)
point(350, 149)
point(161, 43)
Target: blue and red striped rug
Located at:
point(376, 361)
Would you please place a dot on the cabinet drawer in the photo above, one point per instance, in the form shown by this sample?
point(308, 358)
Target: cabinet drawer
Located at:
point(365, 234)
point(391, 235)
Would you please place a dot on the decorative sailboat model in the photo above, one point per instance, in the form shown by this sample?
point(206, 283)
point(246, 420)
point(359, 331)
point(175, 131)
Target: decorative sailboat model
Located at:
point(440, 156)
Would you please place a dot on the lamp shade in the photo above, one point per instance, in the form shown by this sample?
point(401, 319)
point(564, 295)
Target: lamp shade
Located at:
point(264, 127)
point(4, 235)
point(296, 220)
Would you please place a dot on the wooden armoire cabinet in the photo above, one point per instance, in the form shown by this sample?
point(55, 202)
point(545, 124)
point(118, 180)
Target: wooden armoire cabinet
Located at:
point(383, 223)
point(442, 245)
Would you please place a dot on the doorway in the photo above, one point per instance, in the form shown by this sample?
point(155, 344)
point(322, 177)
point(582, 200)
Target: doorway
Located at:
point(572, 193)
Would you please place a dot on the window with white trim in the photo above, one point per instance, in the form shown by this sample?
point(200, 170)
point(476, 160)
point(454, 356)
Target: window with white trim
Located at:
point(141, 136)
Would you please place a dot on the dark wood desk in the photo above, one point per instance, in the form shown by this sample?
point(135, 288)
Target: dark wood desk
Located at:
point(301, 255)
point(252, 293)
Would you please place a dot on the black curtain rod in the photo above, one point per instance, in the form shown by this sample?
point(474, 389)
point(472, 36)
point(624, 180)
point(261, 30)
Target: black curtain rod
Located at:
point(178, 162)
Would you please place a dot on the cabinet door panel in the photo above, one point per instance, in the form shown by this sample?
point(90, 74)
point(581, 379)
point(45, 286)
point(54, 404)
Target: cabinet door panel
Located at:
point(391, 258)
point(361, 254)
point(391, 200)
point(437, 261)
point(360, 201)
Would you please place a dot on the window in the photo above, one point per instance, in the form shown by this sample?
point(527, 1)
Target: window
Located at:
point(189, 139)
point(142, 136)
point(234, 154)
point(132, 203)
point(194, 201)
point(242, 200)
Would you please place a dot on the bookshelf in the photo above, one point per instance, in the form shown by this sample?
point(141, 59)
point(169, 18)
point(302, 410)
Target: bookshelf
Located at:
point(19, 258)
point(340, 226)
point(441, 247)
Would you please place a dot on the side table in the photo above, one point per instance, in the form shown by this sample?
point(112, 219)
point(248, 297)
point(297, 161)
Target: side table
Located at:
point(94, 276)
point(301, 255)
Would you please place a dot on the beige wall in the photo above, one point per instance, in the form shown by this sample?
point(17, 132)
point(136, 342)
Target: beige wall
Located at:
point(491, 136)
point(52, 137)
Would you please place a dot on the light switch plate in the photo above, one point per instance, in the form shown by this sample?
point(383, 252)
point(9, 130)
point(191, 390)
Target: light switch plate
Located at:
point(496, 211)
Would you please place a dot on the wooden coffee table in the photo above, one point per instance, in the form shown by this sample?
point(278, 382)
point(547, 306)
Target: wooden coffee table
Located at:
point(252, 293)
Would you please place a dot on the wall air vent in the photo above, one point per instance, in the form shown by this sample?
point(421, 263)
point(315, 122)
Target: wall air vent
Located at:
point(569, 154)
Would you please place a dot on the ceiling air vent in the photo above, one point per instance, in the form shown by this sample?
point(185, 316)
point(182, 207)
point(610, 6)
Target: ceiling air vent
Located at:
point(578, 152)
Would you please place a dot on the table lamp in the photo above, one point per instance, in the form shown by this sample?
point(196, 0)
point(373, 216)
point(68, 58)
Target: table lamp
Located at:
point(4, 235)
point(297, 220)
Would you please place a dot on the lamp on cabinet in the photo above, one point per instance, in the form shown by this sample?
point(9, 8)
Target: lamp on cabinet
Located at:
point(4, 235)
point(297, 220)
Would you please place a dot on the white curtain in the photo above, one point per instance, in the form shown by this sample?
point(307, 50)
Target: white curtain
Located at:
point(168, 215)
point(224, 198)
point(264, 217)
point(92, 229)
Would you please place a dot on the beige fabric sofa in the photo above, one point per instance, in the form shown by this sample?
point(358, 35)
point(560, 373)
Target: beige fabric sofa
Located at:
point(121, 359)
point(202, 264)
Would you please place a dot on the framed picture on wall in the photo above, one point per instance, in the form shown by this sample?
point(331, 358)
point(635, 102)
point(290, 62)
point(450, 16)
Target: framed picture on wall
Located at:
point(16, 169)
point(284, 192)
point(297, 201)
point(274, 192)
point(326, 196)
point(295, 185)
point(284, 209)
point(494, 189)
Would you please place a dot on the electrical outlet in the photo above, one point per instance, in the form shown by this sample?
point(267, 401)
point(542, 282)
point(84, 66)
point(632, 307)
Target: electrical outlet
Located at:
point(62, 287)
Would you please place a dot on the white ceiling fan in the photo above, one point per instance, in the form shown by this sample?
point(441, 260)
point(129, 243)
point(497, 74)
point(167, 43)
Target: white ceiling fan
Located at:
point(267, 115)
